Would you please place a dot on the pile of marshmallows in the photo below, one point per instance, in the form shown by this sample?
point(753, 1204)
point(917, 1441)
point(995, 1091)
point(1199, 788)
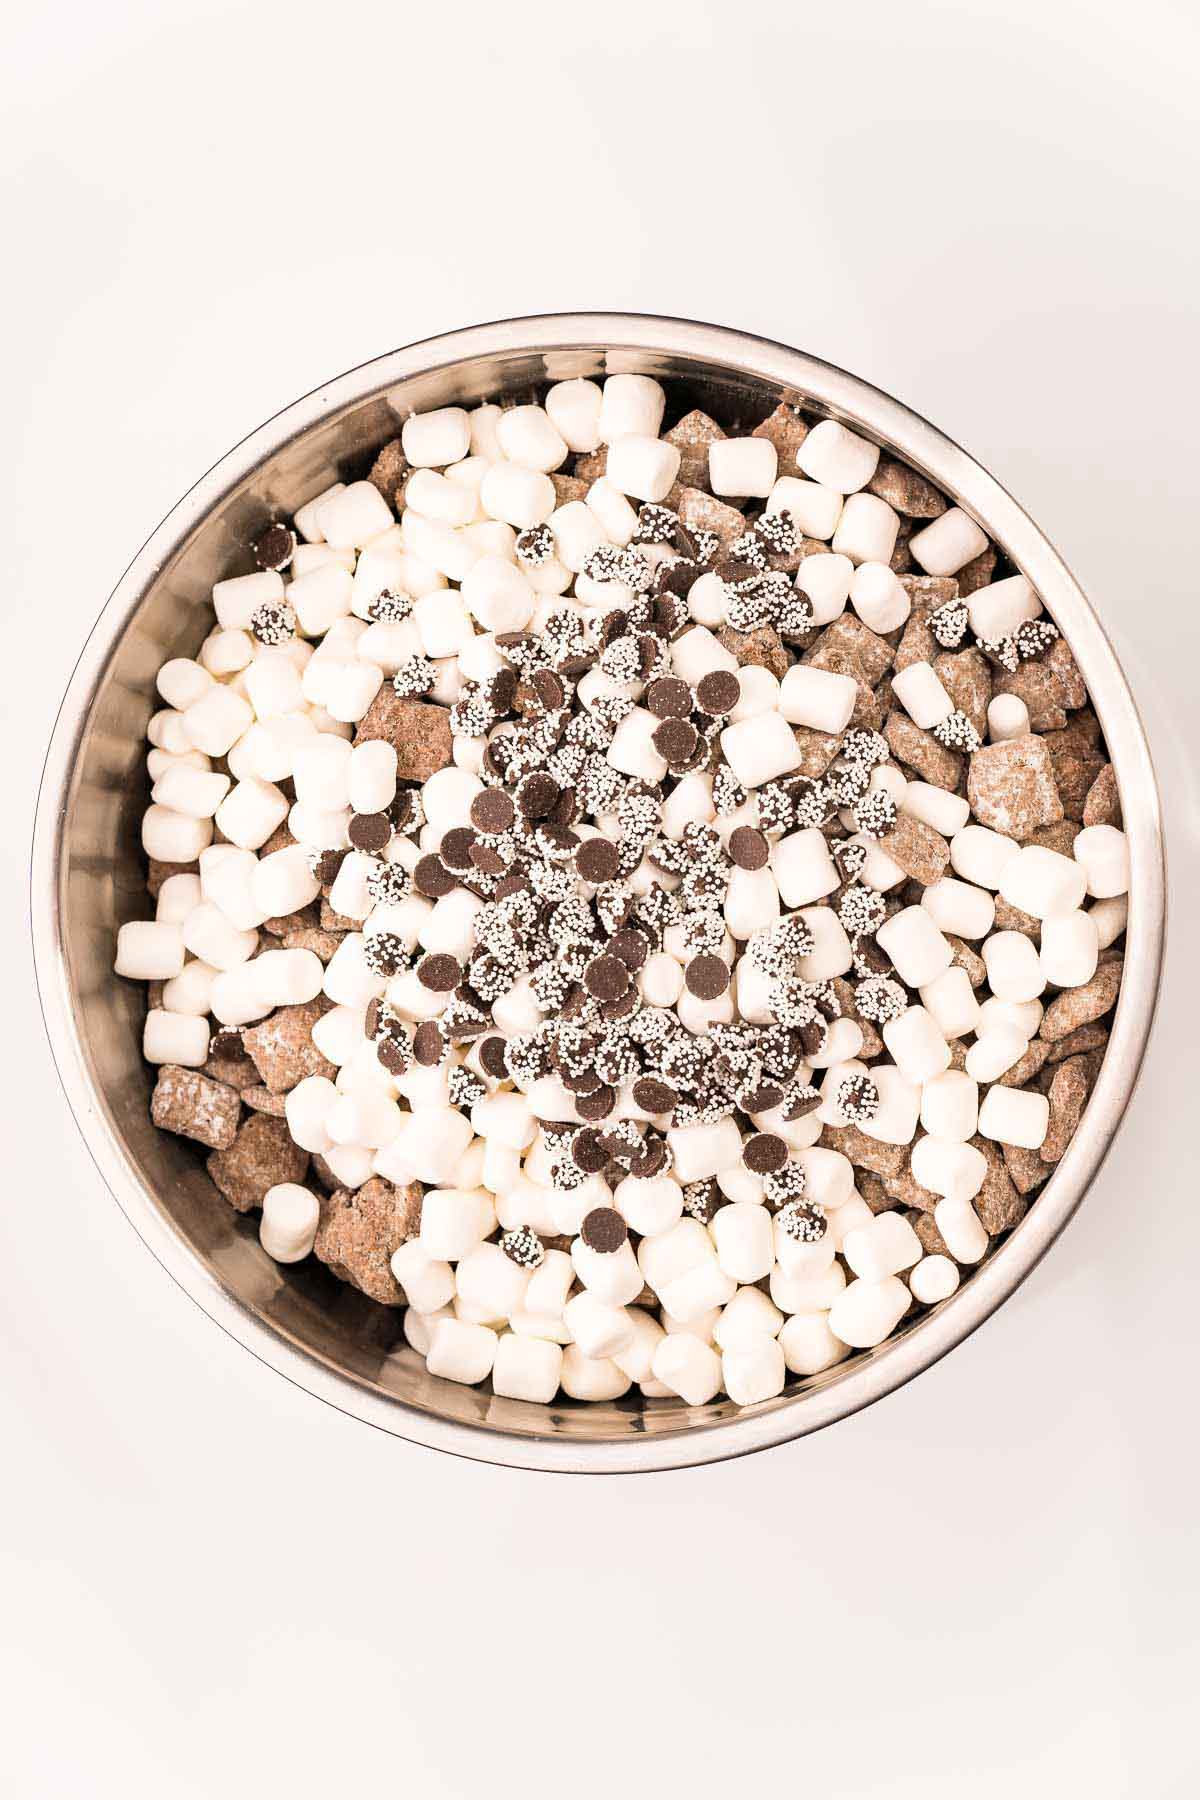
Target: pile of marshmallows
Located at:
point(742, 1300)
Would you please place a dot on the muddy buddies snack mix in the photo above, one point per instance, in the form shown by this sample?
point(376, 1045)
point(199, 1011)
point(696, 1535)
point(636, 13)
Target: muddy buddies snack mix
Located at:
point(645, 901)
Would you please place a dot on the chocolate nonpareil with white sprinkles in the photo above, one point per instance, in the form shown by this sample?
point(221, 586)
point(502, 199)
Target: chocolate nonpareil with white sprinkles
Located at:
point(611, 889)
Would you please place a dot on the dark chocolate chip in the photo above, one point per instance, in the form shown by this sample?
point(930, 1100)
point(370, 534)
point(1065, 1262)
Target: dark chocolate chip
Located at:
point(675, 740)
point(669, 698)
point(762, 1099)
point(492, 811)
point(604, 1230)
point(537, 794)
point(370, 831)
point(596, 1105)
point(455, 847)
point(597, 861)
point(432, 878)
point(653, 1095)
point(631, 945)
point(328, 865)
point(606, 978)
point(764, 1153)
point(395, 1054)
point(274, 547)
point(548, 688)
point(707, 977)
point(428, 1044)
point(440, 974)
point(491, 1057)
point(749, 848)
point(587, 1151)
point(719, 692)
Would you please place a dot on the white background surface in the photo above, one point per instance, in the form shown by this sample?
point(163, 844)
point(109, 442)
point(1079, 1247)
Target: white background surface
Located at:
point(213, 1585)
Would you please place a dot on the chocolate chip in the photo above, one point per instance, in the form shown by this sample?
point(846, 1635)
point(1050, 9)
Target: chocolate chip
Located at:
point(565, 810)
point(762, 1099)
point(749, 848)
point(631, 946)
point(455, 847)
point(596, 1105)
point(492, 811)
point(440, 974)
point(428, 1046)
point(548, 688)
point(707, 977)
point(328, 865)
point(537, 794)
point(491, 1057)
point(580, 1081)
point(597, 861)
point(487, 859)
point(228, 1043)
point(651, 1160)
point(677, 577)
point(719, 692)
point(675, 740)
point(370, 831)
point(604, 1230)
point(274, 547)
point(587, 1151)
point(432, 878)
point(622, 1008)
point(606, 978)
point(512, 884)
point(764, 1153)
point(653, 1095)
point(669, 698)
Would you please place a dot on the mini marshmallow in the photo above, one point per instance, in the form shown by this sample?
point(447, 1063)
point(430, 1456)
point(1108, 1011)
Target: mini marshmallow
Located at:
point(1013, 969)
point(520, 497)
point(1042, 882)
point(505, 1119)
point(182, 682)
point(947, 813)
point(815, 509)
point(832, 953)
point(921, 694)
point(825, 579)
point(994, 1052)
point(650, 1205)
point(808, 1345)
point(867, 529)
point(1070, 949)
point(748, 1317)
point(950, 1001)
point(428, 1284)
point(946, 1166)
point(1023, 1017)
point(613, 1276)
point(461, 1352)
point(526, 1368)
point(371, 776)
point(166, 731)
point(879, 597)
point(208, 934)
point(999, 609)
point(703, 1150)
point(981, 855)
point(290, 1216)
point(1110, 918)
point(961, 1229)
point(454, 1221)
point(744, 1240)
point(868, 1311)
point(689, 1368)
point(284, 882)
point(948, 543)
point(1019, 1116)
point(837, 457)
point(637, 1358)
point(289, 977)
point(934, 1278)
point(886, 1246)
point(919, 1049)
point(176, 898)
point(227, 653)
point(489, 1280)
point(1007, 717)
point(591, 1377)
point(497, 595)
point(754, 1372)
point(950, 1106)
point(600, 1330)
point(175, 1037)
point(828, 1176)
point(698, 652)
point(803, 867)
point(149, 950)
point(1102, 852)
point(643, 467)
point(743, 466)
point(433, 440)
point(573, 408)
point(612, 511)
point(237, 600)
point(707, 600)
point(251, 812)
point(631, 404)
point(761, 749)
point(320, 598)
point(528, 437)
point(632, 751)
point(959, 907)
point(895, 1118)
point(193, 792)
point(819, 698)
point(349, 980)
point(806, 1291)
point(436, 497)
point(915, 945)
point(217, 720)
point(307, 1107)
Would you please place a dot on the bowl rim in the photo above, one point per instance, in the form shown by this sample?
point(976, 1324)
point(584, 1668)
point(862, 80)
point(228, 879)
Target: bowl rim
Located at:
point(850, 1386)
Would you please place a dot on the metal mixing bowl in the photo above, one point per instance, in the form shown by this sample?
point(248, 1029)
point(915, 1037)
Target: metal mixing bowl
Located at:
point(88, 877)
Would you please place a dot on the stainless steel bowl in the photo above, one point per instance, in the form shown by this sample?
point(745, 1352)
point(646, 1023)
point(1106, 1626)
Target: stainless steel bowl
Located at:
point(87, 878)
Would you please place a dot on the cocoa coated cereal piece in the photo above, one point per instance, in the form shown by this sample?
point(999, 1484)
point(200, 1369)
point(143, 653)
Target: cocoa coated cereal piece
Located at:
point(390, 471)
point(1060, 837)
point(762, 648)
point(1025, 1167)
point(1082, 1005)
point(419, 732)
point(282, 923)
point(261, 1100)
point(1011, 918)
point(967, 677)
point(282, 1049)
point(1068, 1094)
point(336, 921)
point(864, 1152)
point(906, 1190)
point(787, 431)
point(928, 592)
point(1084, 1040)
point(1038, 686)
point(261, 1156)
point(592, 465)
point(158, 872)
point(817, 749)
point(321, 943)
point(922, 752)
point(228, 1062)
point(1103, 803)
point(848, 647)
point(703, 512)
point(193, 1105)
point(359, 1231)
point(568, 488)
point(964, 957)
point(917, 644)
point(931, 1240)
point(692, 436)
point(1077, 764)
point(958, 1055)
point(1070, 681)
point(872, 1190)
point(905, 491)
point(917, 848)
point(978, 573)
point(1026, 1066)
point(998, 1203)
point(1011, 786)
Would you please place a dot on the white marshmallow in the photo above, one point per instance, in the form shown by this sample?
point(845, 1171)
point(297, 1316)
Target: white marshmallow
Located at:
point(237, 600)
point(918, 1047)
point(895, 1119)
point(920, 692)
point(428, 1284)
point(489, 1280)
point(1019, 1116)
point(632, 750)
point(814, 508)
point(176, 898)
point(761, 749)
point(461, 1352)
point(819, 698)
point(251, 812)
point(960, 1226)
point(916, 946)
point(433, 440)
point(149, 950)
point(950, 1106)
point(1110, 918)
point(1007, 717)
point(807, 1292)
point(520, 497)
point(828, 1176)
point(946, 1166)
point(832, 953)
point(181, 682)
point(613, 513)
point(643, 467)
point(947, 813)
point(808, 1345)
point(613, 1276)
point(600, 1330)
point(235, 997)
point(1042, 882)
point(866, 529)
point(744, 1239)
point(1013, 968)
point(227, 653)
point(1023, 1017)
point(948, 543)
point(879, 597)
point(526, 1368)
point(217, 720)
point(744, 466)
point(175, 1037)
point(194, 792)
point(959, 907)
point(934, 1278)
point(707, 600)
point(208, 934)
point(449, 502)
point(803, 867)
point(884, 1247)
point(307, 1107)
point(649, 1205)
point(631, 404)
point(455, 1220)
point(290, 1216)
point(995, 1051)
point(528, 437)
point(754, 1373)
point(320, 598)
point(950, 1001)
point(283, 882)
point(825, 579)
point(574, 411)
point(981, 855)
point(698, 652)
point(289, 977)
point(837, 457)
point(1000, 608)
point(703, 1150)
point(869, 1311)
point(1070, 949)
point(688, 1367)
point(371, 776)
point(1102, 851)
point(637, 1358)
point(591, 1377)
point(749, 1317)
